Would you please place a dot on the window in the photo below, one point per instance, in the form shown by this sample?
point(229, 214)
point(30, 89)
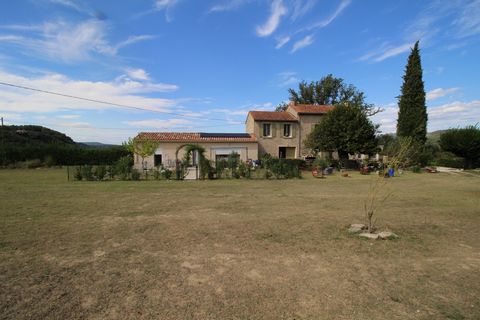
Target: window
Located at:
point(157, 160)
point(267, 132)
point(287, 130)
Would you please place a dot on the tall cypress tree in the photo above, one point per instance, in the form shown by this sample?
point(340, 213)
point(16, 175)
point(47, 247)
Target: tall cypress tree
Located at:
point(412, 113)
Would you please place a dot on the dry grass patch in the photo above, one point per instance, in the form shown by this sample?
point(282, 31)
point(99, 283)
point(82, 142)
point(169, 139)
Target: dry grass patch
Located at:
point(236, 249)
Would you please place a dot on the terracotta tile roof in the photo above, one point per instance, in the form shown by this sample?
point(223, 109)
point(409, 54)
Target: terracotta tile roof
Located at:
point(311, 108)
point(272, 116)
point(196, 137)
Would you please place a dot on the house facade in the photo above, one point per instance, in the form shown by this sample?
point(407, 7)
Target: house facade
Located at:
point(217, 146)
point(280, 134)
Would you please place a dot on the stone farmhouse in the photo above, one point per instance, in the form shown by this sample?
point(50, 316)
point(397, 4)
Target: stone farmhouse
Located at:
point(280, 134)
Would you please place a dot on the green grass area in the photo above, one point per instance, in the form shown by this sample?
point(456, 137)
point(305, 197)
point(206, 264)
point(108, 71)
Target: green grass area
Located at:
point(236, 249)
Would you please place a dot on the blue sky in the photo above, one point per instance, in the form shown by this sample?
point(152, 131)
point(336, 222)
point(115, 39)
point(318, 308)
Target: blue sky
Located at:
point(201, 65)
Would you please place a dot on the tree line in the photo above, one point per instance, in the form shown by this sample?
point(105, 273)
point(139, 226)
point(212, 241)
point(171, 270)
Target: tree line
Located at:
point(49, 147)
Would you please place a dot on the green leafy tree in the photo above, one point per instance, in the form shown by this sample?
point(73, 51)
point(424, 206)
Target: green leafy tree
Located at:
point(463, 142)
point(412, 114)
point(142, 147)
point(329, 91)
point(345, 129)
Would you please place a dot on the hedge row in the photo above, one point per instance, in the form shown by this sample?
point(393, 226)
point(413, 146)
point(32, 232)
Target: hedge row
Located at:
point(61, 154)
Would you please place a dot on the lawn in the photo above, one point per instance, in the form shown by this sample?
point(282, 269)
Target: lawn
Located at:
point(236, 249)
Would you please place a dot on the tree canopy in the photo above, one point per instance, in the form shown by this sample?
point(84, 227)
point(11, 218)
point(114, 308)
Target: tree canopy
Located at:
point(463, 142)
point(412, 114)
point(329, 91)
point(345, 129)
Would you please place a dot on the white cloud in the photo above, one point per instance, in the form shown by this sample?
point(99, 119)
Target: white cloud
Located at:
point(160, 123)
point(463, 18)
point(323, 23)
point(69, 42)
point(138, 74)
point(278, 10)
point(167, 6)
point(302, 7)
point(302, 43)
point(121, 90)
point(131, 40)
point(449, 115)
point(69, 116)
point(457, 108)
point(439, 92)
point(468, 21)
point(287, 78)
point(228, 6)
point(282, 41)
point(67, 3)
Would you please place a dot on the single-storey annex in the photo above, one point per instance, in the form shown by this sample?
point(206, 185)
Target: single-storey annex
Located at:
point(280, 134)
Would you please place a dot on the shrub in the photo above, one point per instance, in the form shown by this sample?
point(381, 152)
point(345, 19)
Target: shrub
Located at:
point(463, 142)
point(123, 167)
point(77, 175)
point(111, 172)
point(155, 172)
point(34, 163)
point(100, 172)
point(135, 174)
point(167, 174)
point(448, 159)
point(244, 170)
point(49, 161)
point(416, 169)
point(87, 173)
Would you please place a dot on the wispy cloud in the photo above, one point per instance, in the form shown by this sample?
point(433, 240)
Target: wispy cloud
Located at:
point(138, 74)
point(282, 41)
point(68, 42)
point(277, 11)
point(301, 8)
point(228, 6)
point(445, 20)
point(69, 116)
point(72, 5)
point(467, 23)
point(439, 93)
point(131, 40)
point(302, 43)
point(287, 78)
point(325, 22)
point(386, 51)
point(160, 123)
point(167, 6)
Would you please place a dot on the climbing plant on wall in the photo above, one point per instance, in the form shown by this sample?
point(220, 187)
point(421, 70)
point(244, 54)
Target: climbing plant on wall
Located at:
point(204, 163)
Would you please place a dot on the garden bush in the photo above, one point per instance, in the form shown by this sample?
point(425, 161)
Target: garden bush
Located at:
point(135, 174)
point(123, 167)
point(448, 159)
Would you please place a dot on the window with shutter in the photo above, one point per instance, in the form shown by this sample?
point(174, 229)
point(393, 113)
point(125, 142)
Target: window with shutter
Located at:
point(267, 130)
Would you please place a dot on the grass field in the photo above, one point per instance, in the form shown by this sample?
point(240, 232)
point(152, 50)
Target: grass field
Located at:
point(236, 249)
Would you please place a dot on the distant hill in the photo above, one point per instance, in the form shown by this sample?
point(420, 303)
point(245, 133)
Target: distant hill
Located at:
point(38, 135)
point(435, 135)
point(29, 134)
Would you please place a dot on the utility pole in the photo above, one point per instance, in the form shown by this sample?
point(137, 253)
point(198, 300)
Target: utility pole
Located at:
point(3, 145)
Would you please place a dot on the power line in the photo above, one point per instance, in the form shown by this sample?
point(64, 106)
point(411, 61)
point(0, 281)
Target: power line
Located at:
point(107, 102)
point(108, 128)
